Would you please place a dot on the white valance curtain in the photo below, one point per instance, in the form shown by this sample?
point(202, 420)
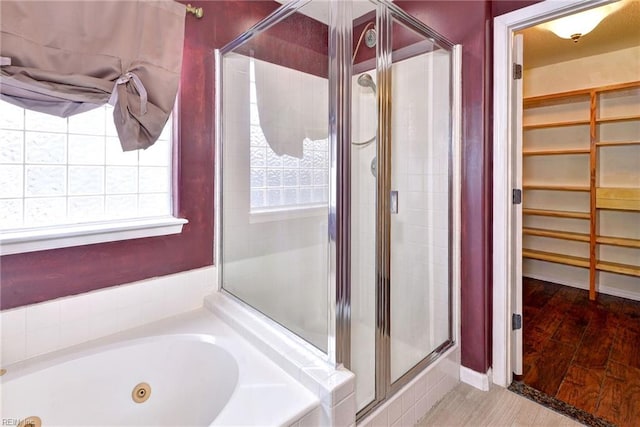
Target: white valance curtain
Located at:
point(292, 106)
point(67, 57)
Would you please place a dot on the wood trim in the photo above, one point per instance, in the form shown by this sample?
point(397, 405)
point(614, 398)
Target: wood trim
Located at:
point(593, 161)
point(556, 124)
point(613, 267)
point(555, 234)
point(616, 143)
point(625, 199)
point(555, 152)
point(534, 101)
point(557, 258)
point(618, 119)
point(541, 99)
point(557, 214)
point(556, 187)
point(618, 241)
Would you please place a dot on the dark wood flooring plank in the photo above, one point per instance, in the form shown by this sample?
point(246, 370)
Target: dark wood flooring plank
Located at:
point(595, 347)
point(581, 387)
point(542, 292)
point(550, 367)
point(586, 353)
point(571, 330)
point(547, 321)
point(620, 396)
point(626, 347)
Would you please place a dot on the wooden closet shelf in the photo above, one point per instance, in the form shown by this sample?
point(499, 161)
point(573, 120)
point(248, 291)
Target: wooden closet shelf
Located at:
point(555, 234)
point(618, 119)
point(612, 267)
point(533, 101)
point(556, 124)
point(618, 241)
point(557, 258)
point(557, 214)
point(617, 86)
point(556, 187)
point(581, 237)
point(542, 99)
point(623, 199)
point(614, 143)
point(557, 151)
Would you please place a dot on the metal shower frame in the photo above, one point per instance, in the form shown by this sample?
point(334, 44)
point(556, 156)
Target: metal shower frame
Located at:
point(340, 52)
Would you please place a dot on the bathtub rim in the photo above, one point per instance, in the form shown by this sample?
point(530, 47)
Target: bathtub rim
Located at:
point(216, 329)
point(112, 342)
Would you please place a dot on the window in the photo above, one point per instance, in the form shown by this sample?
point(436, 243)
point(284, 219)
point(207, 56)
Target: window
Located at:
point(285, 182)
point(56, 173)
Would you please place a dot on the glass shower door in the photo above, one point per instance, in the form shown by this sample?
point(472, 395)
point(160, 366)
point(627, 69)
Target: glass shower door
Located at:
point(420, 127)
point(401, 203)
point(364, 119)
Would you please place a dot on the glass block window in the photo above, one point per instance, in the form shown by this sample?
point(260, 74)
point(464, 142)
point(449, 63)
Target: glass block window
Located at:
point(279, 182)
point(56, 171)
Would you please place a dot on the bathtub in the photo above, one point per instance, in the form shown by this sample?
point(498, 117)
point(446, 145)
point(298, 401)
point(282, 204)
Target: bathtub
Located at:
point(191, 370)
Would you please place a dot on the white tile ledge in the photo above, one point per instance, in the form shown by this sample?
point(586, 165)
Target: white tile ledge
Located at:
point(299, 359)
point(30, 240)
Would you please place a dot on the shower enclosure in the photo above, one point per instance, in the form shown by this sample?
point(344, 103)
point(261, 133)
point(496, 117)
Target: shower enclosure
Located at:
point(337, 211)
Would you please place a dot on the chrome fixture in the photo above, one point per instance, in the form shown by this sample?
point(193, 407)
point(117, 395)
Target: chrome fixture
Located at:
point(365, 80)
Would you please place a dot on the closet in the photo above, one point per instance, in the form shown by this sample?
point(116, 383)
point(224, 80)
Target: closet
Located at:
point(581, 187)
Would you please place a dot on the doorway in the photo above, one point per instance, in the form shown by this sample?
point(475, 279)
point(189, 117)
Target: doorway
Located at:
point(565, 213)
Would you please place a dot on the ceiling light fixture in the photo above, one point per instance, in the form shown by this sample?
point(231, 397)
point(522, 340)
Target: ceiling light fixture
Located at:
point(577, 25)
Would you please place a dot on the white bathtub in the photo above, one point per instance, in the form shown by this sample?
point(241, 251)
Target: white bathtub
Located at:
point(199, 372)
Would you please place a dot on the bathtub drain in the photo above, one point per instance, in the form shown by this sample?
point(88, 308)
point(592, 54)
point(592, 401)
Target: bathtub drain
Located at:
point(141, 393)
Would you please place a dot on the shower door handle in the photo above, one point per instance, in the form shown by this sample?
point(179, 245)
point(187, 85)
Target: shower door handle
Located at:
point(393, 202)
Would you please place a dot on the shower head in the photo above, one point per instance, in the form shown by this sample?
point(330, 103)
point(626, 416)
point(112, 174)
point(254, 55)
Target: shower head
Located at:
point(365, 80)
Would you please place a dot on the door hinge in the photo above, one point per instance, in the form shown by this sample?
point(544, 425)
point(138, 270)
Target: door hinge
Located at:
point(516, 196)
point(516, 321)
point(517, 71)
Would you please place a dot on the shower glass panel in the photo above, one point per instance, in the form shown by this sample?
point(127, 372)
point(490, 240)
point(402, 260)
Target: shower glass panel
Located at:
point(420, 171)
point(275, 173)
point(334, 184)
point(363, 203)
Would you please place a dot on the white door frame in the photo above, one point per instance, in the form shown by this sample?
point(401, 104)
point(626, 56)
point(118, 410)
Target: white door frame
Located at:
point(503, 28)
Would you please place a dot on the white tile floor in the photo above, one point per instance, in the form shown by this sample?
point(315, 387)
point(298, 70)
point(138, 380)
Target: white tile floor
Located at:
point(468, 406)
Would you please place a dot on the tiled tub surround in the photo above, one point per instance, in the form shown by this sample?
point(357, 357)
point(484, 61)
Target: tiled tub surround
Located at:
point(41, 328)
point(41, 331)
point(335, 387)
point(199, 371)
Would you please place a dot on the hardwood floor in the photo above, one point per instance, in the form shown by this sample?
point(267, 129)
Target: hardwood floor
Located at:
point(585, 353)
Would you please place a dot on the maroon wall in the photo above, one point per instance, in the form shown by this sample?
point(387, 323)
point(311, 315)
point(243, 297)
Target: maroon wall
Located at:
point(469, 23)
point(39, 276)
point(501, 7)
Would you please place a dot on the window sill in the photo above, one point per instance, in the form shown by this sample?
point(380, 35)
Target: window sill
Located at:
point(15, 242)
point(283, 214)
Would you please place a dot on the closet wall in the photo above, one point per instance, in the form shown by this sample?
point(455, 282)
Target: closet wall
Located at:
point(616, 166)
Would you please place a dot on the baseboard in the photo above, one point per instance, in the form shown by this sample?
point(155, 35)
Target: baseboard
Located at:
point(603, 289)
point(475, 379)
